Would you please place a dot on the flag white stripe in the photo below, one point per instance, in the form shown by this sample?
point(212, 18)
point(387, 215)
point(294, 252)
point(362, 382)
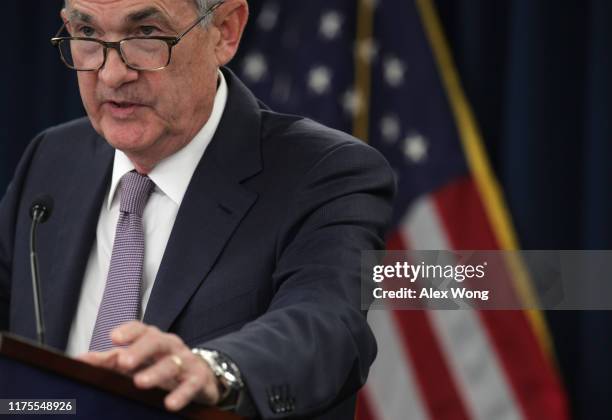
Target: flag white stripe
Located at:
point(463, 338)
point(421, 227)
point(394, 395)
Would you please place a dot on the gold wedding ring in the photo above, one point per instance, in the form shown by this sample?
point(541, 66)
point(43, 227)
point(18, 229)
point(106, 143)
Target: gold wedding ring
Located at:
point(178, 362)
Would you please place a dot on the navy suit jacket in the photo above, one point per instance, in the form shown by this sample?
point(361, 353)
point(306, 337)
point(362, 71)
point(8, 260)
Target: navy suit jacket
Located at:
point(263, 263)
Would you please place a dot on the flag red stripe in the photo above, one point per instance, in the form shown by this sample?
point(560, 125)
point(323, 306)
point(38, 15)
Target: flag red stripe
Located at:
point(364, 407)
point(535, 384)
point(433, 376)
point(464, 217)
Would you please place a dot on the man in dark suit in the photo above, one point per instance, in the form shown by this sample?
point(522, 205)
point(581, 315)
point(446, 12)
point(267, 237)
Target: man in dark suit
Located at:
point(199, 241)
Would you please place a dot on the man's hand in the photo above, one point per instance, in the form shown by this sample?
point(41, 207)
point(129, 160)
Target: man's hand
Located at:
point(157, 359)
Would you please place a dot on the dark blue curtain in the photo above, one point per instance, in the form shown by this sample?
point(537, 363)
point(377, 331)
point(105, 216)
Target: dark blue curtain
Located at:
point(38, 92)
point(538, 74)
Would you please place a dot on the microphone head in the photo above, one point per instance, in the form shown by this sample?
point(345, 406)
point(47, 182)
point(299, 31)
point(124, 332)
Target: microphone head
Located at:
point(43, 205)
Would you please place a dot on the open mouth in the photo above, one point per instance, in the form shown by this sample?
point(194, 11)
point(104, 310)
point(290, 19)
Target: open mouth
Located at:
point(122, 104)
point(122, 110)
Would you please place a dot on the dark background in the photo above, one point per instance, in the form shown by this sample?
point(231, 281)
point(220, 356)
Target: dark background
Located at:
point(537, 74)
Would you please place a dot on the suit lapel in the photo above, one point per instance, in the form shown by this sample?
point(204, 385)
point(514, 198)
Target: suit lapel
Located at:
point(215, 203)
point(78, 212)
point(212, 209)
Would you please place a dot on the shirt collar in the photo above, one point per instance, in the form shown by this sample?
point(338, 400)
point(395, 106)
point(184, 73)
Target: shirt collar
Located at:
point(173, 174)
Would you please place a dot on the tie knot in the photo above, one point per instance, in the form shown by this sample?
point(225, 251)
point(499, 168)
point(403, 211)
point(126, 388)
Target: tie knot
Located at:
point(135, 191)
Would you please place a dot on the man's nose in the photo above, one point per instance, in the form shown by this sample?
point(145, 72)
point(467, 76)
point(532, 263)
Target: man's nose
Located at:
point(115, 73)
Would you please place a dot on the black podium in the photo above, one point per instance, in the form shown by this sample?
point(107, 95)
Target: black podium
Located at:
point(31, 372)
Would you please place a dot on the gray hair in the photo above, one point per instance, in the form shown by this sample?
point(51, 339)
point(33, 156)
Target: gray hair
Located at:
point(201, 5)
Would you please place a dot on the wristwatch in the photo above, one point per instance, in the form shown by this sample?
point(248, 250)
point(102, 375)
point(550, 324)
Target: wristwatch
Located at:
point(226, 372)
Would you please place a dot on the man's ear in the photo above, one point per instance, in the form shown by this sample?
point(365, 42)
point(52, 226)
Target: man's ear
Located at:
point(64, 16)
point(230, 20)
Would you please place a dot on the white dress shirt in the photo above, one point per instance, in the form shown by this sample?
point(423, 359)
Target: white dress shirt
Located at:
point(171, 177)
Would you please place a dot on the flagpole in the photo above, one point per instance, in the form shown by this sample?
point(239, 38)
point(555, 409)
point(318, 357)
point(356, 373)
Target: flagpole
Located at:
point(479, 166)
point(363, 69)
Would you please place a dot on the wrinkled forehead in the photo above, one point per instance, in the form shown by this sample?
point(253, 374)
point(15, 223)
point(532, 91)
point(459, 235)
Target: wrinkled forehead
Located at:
point(120, 3)
point(124, 12)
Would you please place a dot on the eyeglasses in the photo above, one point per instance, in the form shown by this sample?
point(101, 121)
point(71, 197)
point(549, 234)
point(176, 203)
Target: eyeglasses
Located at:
point(146, 53)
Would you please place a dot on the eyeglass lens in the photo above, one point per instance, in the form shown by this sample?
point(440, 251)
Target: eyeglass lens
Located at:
point(142, 54)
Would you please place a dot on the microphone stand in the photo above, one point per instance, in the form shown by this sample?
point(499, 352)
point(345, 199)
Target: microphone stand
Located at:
point(38, 213)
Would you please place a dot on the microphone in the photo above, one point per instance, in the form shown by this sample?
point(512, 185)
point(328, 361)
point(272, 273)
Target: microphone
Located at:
point(40, 211)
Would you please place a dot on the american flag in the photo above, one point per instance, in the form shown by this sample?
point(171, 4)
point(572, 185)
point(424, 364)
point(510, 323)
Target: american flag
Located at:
point(382, 70)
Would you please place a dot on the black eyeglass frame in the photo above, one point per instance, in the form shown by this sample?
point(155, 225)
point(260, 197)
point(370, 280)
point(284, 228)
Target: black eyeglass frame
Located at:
point(170, 41)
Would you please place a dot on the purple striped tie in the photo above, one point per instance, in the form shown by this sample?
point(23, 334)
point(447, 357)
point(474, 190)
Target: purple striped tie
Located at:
point(122, 294)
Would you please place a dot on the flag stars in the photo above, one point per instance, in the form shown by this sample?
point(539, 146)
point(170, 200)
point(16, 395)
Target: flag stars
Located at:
point(390, 128)
point(319, 80)
point(331, 25)
point(268, 17)
point(352, 102)
point(254, 67)
point(415, 148)
point(394, 70)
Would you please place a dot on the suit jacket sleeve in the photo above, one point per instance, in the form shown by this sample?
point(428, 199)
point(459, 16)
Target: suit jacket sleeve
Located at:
point(8, 221)
point(313, 345)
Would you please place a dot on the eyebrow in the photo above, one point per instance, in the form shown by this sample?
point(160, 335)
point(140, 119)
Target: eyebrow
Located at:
point(134, 17)
point(140, 15)
point(75, 14)
point(149, 12)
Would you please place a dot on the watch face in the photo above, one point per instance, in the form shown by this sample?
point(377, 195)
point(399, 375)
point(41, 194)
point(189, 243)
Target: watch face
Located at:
point(231, 374)
point(224, 369)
